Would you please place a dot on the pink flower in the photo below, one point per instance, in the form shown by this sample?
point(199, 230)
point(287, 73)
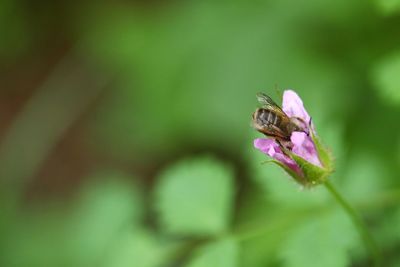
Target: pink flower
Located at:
point(272, 149)
point(303, 148)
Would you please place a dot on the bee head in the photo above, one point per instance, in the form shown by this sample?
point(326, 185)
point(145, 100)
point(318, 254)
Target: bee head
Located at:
point(298, 125)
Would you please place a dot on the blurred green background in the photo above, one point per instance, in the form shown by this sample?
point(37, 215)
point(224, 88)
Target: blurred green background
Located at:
point(125, 135)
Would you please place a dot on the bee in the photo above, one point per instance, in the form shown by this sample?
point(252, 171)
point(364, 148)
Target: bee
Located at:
point(273, 122)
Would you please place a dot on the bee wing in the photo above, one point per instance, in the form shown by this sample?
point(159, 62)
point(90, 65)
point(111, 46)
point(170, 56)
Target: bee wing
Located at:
point(270, 130)
point(274, 131)
point(269, 104)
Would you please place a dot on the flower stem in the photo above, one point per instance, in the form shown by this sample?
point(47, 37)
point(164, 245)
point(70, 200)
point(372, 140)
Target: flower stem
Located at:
point(368, 240)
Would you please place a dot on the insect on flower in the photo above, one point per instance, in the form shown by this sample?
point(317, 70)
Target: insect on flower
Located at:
point(273, 122)
point(291, 139)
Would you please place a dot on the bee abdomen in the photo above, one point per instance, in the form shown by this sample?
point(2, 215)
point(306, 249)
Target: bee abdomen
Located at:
point(269, 118)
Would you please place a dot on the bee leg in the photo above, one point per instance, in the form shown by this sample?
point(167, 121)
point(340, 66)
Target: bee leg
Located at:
point(283, 147)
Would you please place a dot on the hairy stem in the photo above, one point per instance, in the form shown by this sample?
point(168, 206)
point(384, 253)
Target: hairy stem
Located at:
point(368, 240)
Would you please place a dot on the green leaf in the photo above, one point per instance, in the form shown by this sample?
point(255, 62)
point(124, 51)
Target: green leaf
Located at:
point(386, 78)
point(194, 197)
point(262, 238)
point(108, 203)
point(365, 176)
point(77, 234)
point(222, 253)
point(397, 263)
point(386, 234)
point(388, 7)
point(324, 240)
point(111, 192)
point(134, 248)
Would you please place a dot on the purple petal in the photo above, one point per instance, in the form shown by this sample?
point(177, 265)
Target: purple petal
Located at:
point(293, 106)
point(304, 147)
point(272, 149)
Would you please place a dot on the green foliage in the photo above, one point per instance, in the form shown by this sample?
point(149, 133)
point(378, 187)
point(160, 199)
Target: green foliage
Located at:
point(366, 177)
point(199, 53)
point(388, 7)
point(103, 210)
point(183, 77)
point(56, 236)
point(195, 197)
point(389, 233)
point(137, 248)
point(222, 253)
point(324, 240)
point(14, 29)
point(386, 78)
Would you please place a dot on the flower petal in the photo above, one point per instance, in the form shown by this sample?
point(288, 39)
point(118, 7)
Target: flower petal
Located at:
point(304, 147)
point(272, 149)
point(293, 106)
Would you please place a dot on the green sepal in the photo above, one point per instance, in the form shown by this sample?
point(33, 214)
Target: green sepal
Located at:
point(325, 156)
point(300, 179)
point(312, 174)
